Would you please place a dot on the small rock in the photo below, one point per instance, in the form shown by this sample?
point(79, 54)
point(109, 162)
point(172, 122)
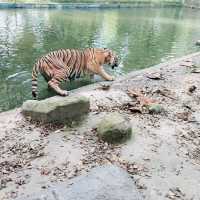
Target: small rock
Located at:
point(155, 76)
point(114, 128)
point(105, 87)
point(155, 108)
point(195, 70)
point(56, 109)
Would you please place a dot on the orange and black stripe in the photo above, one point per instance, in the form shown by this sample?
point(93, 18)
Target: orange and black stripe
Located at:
point(61, 65)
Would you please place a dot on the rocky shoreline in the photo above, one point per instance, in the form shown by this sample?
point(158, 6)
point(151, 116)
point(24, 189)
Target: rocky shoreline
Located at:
point(162, 158)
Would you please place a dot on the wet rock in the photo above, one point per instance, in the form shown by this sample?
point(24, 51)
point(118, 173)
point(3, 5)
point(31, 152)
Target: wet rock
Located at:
point(114, 128)
point(56, 109)
point(155, 108)
point(101, 183)
point(198, 42)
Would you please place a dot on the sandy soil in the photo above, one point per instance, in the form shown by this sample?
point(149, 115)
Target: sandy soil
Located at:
point(163, 156)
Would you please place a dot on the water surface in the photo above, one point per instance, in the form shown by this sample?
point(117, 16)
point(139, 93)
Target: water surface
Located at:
point(141, 37)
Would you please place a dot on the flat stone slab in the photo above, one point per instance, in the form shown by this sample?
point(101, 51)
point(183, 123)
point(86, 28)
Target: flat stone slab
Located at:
point(107, 182)
point(56, 109)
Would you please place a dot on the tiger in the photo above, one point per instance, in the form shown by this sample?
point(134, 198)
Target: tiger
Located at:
point(69, 64)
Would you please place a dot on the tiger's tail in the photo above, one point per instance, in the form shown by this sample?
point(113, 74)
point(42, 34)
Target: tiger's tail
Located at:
point(34, 80)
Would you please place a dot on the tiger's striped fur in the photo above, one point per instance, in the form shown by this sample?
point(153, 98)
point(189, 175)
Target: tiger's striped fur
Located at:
point(68, 64)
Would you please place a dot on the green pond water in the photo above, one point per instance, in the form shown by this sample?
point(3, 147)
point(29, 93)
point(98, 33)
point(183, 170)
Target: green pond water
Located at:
point(141, 37)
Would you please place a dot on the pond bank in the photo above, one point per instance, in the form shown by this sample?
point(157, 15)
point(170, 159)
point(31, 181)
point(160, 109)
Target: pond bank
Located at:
point(136, 4)
point(162, 157)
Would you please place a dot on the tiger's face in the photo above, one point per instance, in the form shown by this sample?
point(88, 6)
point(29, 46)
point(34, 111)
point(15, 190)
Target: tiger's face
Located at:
point(111, 58)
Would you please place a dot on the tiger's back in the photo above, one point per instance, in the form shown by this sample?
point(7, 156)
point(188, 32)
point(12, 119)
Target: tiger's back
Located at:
point(70, 60)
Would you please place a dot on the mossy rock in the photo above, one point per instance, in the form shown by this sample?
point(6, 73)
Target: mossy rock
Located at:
point(56, 109)
point(114, 128)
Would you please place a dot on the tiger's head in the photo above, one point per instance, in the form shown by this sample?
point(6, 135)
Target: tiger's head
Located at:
point(111, 58)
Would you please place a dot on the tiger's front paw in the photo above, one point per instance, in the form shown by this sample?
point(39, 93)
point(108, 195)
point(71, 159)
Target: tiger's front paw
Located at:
point(112, 78)
point(64, 93)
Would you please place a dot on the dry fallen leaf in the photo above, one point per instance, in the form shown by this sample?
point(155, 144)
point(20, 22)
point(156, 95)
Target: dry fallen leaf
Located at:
point(165, 92)
point(143, 100)
point(192, 88)
point(183, 116)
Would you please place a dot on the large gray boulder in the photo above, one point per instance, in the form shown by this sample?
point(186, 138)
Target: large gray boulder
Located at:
point(56, 109)
point(101, 183)
point(114, 128)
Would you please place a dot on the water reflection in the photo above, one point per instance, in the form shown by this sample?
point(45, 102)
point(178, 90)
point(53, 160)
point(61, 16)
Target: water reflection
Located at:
point(142, 37)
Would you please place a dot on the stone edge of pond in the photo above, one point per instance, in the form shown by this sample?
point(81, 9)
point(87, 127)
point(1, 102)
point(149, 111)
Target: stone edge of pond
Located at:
point(133, 74)
point(137, 4)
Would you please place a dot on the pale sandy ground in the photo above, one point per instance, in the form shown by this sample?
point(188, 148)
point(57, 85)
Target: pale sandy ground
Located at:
point(163, 157)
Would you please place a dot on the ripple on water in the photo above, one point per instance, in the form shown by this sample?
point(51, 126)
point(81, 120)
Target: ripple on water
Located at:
point(26, 81)
point(16, 75)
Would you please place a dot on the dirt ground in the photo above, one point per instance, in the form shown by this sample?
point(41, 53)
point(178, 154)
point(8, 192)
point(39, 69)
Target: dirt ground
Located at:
point(163, 155)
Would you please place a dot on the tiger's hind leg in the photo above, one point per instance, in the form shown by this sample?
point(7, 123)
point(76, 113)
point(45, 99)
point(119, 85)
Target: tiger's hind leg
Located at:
point(54, 84)
point(91, 76)
point(47, 79)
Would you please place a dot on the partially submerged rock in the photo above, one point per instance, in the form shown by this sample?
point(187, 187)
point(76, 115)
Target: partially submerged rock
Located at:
point(56, 109)
point(114, 128)
point(101, 183)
